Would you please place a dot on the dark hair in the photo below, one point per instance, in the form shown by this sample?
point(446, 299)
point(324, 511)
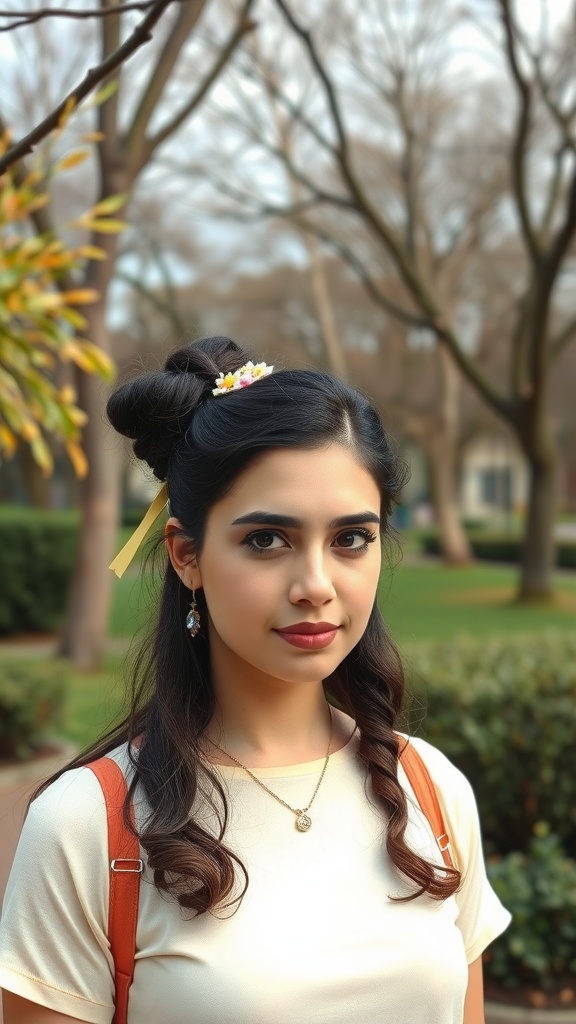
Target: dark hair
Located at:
point(200, 445)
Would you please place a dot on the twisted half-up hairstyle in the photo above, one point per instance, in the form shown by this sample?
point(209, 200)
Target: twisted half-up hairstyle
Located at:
point(200, 445)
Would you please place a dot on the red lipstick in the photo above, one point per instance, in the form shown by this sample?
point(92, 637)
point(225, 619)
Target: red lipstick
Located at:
point(310, 636)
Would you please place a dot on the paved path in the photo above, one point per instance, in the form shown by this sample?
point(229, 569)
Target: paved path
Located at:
point(16, 787)
point(13, 802)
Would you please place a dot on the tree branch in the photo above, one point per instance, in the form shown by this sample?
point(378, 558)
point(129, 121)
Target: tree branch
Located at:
point(322, 74)
point(295, 112)
point(30, 17)
point(243, 25)
point(522, 132)
point(563, 120)
point(260, 210)
point(166, 308)
point(409, 273)
point(400, 313)
point(141, 35)
point(538, 334)
point(107, 113)
point(561, 340)
point(554, 193)
point(135, 135)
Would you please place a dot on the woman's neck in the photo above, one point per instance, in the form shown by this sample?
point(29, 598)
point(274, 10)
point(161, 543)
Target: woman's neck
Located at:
point(285, 728)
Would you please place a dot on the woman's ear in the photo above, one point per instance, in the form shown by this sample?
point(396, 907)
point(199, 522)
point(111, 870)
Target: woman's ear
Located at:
point(181, 556)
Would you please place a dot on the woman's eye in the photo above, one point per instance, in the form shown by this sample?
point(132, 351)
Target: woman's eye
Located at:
point(264, 540)
point(355, 540)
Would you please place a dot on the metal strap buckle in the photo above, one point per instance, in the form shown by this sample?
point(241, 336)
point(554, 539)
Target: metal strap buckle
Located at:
point(127, 860)
point(443, 841)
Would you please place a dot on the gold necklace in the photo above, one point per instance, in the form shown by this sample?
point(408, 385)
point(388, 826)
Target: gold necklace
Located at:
point(303, 820)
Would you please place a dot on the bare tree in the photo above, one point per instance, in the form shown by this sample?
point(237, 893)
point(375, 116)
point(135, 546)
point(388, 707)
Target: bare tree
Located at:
point(130, 135)
point(284, 131)
point(419, 178)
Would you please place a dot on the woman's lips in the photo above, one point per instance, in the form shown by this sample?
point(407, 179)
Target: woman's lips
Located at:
point(310, 636)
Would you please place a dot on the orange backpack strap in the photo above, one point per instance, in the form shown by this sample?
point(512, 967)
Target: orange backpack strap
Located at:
point(126, 867)
point(425, 791)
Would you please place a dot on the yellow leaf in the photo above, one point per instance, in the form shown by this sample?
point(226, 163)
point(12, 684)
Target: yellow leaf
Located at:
point(10, 204)
point(91, 252)
point(5, 141)
point(109, 205)
point(37, 203)
point(101, 363)
point(106, 227)
point(77, 416)
point(81, 296)
point(30, 430)
point(42, 455)
point(7, 441)
point(73, 160)
point(104, 93)
point(45, 301)
point(42, 359)
point(31, 179)
point(93, 137)
point(67, 394)
point(56, 245)
point(77, 458)
point(68, 108)
point(31, 246)
point(73, 317)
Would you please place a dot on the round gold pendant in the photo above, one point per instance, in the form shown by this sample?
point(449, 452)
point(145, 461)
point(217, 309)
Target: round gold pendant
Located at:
point(303, 822)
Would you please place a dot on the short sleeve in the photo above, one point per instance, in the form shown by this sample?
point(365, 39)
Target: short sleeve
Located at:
point(481, 916)
point(54, 948)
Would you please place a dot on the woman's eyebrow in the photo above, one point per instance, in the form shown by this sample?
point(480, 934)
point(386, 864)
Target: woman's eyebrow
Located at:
point(290, 522)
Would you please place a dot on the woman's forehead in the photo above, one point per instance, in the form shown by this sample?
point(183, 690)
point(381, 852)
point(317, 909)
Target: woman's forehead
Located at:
point(301, 483)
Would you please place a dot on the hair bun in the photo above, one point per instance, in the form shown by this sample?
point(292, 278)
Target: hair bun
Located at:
point(155, 408)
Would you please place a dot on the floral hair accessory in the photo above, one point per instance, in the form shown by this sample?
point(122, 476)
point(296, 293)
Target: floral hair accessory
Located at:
point(241, 378)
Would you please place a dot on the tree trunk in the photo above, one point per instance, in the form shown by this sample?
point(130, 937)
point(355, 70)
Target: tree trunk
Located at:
point(332, 344)
point(538, 556)
point(441, 450)
point(441, 461)
point(85, 632)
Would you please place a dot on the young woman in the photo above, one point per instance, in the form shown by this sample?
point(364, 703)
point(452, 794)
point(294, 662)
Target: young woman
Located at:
point(290, 875)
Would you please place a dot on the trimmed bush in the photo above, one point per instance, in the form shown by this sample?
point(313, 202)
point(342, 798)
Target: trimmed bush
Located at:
point(497, 548)
point(132, 515)
point(37, 552)
point(504, 711)
point(31, 699)
point(539, 889)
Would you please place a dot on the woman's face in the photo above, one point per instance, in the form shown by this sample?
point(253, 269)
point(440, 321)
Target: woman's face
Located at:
point(289, 565)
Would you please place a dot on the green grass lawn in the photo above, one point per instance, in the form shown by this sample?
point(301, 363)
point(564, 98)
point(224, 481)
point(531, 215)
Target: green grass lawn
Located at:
point(429, 601)
point(95, 700)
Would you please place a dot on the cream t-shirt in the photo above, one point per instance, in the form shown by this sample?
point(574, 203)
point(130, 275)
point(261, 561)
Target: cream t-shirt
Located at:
point(316, 938)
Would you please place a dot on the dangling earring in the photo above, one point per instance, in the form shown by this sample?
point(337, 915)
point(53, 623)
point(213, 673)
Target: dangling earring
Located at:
point(193, 617)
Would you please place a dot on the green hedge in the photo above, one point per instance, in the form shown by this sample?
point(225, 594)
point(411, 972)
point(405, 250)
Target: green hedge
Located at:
point(31, 699)
point(497, 548)
point(539, 888)
point(504, 711)
point(37, 551)
point(132, 515)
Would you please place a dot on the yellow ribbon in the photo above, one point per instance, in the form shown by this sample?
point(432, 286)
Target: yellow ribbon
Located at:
point(125, 556)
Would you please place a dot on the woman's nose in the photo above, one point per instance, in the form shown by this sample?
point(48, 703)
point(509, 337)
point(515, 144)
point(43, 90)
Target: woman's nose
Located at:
point(312, 581)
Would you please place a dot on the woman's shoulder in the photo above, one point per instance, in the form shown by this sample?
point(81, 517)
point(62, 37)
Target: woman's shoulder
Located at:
point(74, 800)
point(451, 784)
